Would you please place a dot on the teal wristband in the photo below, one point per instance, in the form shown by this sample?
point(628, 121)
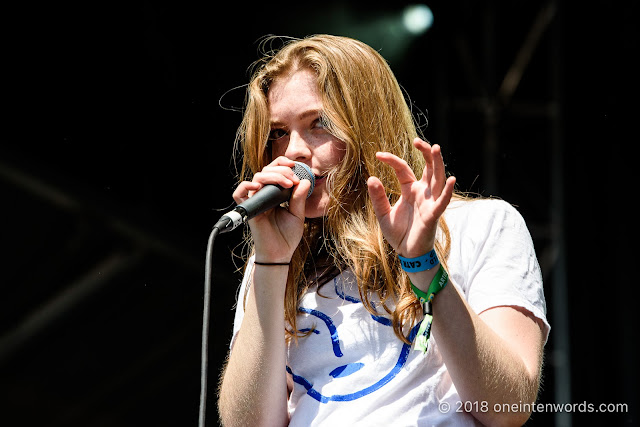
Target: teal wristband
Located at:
point(421, 263)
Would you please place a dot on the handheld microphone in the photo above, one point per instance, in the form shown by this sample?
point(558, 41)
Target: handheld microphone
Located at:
point(268, 197)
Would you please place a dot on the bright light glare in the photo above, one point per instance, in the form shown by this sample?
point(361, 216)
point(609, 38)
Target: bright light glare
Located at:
point(417, 18)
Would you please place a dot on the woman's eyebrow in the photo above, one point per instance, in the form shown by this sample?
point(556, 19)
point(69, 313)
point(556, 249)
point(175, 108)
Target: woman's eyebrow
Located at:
point(304, 115)
point(313, 112)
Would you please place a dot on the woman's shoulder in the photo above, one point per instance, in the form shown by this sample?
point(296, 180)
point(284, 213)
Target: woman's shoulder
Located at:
point(480, 207)
point(479, 218)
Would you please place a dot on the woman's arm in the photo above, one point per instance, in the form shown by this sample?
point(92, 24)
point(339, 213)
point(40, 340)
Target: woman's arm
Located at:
point(253, 390)
point(494, 358)
point(254, 385)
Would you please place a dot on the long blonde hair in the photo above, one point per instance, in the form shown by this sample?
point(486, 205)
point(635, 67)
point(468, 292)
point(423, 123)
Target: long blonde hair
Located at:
point(363, 106)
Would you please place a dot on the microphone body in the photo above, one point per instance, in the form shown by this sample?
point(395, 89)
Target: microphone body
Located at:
point(268, 197)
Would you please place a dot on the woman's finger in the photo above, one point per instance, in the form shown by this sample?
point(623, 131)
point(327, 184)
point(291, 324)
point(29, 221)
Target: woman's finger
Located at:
point(434, 171)
point(277, 178)
point(378, 196)
point(439, 177)
point(403, 171)
point(425, 149)
point(298, 199)
point(244, 190)
point(284, 170)
point(445, 197)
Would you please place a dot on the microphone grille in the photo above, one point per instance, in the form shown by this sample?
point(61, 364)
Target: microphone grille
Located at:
point(303, 171)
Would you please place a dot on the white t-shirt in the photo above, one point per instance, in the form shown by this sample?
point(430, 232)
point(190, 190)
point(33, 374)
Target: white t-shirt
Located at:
point(353, 370)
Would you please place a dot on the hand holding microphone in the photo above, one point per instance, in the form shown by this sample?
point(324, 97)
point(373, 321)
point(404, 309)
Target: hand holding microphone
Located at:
point(268, 196)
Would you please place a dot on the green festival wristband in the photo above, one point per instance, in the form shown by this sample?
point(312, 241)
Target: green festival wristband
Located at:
point(424, 332)
point(439, 281)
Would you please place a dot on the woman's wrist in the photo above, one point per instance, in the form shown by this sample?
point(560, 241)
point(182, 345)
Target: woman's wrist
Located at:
point(422, 279)
point(421, 269)
point(420, 263)
point(270, 257)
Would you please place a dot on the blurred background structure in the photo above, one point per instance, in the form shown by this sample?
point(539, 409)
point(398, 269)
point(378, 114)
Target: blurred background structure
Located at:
point(116, 160)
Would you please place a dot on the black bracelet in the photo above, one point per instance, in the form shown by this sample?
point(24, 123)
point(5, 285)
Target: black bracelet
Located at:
point(271, 263)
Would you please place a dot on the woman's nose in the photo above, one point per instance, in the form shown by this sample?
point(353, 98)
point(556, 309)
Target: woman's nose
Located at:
point(297, 148)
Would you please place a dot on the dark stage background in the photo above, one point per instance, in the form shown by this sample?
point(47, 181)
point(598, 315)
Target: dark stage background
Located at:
point(116, 160)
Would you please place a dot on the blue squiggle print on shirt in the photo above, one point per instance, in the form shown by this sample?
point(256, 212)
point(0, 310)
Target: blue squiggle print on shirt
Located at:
point(335, 342)
point(402, 359)
point(345, 370)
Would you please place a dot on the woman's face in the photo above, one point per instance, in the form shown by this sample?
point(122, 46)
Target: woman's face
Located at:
point(298, 132)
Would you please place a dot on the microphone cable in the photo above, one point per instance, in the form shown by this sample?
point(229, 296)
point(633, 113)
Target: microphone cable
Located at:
point(206, 312)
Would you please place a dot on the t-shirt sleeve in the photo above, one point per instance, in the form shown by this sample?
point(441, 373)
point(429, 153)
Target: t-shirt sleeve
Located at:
point(503, 268)
point(240, 299)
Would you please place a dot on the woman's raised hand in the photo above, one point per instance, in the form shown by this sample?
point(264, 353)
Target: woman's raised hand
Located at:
point(410, 225)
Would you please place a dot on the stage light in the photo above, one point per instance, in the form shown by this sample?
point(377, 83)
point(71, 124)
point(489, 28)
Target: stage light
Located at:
point(417, 18)
point(390, 31)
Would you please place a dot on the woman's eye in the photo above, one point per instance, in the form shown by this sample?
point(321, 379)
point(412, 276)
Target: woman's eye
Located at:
point(276, 134)
point(320, 123)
